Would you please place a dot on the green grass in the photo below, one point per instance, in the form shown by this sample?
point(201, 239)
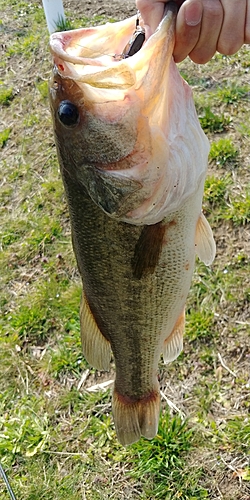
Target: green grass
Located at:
point(200, 325)
point(239, 208)
point(4, 136)
point(6, 95)
point(231, 94)
point(162, 465)
point(212, 122)
point(63, 24)
point(216, 189)
point(57, 439)
point(223, 151)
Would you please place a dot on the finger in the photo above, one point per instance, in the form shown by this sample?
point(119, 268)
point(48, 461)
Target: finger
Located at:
point(212, 20)
point(188, 25)
point(247, 23)
point(232, 33)
point(152, 13)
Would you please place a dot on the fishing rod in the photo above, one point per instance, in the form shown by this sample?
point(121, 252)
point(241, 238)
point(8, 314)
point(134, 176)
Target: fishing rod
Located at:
point(2, 473)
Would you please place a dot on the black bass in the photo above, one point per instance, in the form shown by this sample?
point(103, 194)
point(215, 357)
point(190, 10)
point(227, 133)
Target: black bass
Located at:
point(133, 159)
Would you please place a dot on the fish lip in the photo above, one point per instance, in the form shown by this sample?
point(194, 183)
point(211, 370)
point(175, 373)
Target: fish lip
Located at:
point(59, 42)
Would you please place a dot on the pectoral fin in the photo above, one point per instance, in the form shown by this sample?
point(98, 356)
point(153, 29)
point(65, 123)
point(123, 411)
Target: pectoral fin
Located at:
point(204, 241)
point(173, 345)
point(96, 348)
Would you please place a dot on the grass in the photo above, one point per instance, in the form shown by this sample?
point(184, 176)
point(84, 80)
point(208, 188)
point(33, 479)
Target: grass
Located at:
point(239, 209)
point(233, 93)
point(161, 463)
point(4, 136)
point(6, 95)
point(223, 151)
point(217, 189)
point(212, 122)
point(57, 438)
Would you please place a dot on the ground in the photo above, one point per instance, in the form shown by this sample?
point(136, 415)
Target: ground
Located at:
point(57, 438)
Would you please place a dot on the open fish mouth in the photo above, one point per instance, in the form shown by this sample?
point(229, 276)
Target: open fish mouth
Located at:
point(90, 54)
point(94, 52)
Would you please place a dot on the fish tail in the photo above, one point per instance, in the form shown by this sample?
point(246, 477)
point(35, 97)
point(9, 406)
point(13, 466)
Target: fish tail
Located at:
point(173, 344)
point(136, 418)
point(96, 348)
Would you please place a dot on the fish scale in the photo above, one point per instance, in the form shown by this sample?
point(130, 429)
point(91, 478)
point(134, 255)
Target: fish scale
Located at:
point(135, 204)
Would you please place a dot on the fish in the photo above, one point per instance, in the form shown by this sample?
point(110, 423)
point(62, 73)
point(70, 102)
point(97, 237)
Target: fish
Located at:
point(133, 159)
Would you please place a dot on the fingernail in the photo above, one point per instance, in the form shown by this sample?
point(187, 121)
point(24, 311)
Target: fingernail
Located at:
point(193, 14)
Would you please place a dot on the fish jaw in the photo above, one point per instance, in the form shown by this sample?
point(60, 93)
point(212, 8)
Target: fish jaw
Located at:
point(137, 140)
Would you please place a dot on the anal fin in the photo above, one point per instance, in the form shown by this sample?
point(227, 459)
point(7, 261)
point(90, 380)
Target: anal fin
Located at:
point(96, 348)
point(204, 241)
point(173, 345)
point(136, 418)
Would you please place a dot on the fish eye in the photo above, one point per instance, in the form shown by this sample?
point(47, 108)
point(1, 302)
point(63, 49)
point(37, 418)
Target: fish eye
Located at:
point(68, 114)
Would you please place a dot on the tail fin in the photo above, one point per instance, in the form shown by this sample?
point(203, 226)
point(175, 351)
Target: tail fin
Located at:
point(134, 419)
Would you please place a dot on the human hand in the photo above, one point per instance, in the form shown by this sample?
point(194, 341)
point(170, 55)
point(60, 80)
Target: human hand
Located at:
point(202, 26)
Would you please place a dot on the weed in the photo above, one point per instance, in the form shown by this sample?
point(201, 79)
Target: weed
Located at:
point(26, 45)
point(42, 87)
point(244, 128)
point(6, 95)
point(4, 136)
point(31, 120)
point(235, 433)
point(23, 431)
point(223, 151)
point(216, 189)
point(212, 122)
point(239, 208)
point(231, 94)
point(63, 24)
point(200, 325)
point(68, 356)
point(161, 462)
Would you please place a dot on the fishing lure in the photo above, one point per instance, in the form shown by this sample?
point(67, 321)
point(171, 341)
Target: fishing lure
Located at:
point(135, 43)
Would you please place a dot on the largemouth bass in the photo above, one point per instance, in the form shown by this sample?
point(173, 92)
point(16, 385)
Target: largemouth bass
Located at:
point(133, 159)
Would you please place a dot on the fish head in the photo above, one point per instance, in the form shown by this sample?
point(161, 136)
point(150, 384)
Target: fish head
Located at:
point(113, 116)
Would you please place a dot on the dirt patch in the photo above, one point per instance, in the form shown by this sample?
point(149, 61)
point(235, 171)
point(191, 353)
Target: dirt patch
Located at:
point(117, 9)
